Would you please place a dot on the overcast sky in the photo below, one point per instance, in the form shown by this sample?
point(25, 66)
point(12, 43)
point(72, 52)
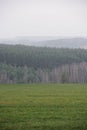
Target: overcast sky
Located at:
point(43, 18)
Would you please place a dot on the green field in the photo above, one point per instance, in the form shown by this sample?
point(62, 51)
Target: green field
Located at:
point(43, 107)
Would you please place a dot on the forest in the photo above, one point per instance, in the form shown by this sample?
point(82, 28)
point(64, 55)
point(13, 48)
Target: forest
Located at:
point(29, 64)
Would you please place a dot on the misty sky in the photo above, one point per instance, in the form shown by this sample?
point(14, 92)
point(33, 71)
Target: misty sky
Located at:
point(43, 18)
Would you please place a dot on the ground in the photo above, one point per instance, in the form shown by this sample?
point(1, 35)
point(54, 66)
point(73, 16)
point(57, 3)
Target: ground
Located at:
point(43, 107)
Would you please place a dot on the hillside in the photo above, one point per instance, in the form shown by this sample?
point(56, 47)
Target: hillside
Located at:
point(48, 42)
point(25, 64)
point(40, 57)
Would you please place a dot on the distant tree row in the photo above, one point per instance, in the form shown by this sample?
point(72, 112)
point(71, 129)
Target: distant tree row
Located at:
point(25, 64)
point(73, 73)
point(13, 74)
point(39, 57)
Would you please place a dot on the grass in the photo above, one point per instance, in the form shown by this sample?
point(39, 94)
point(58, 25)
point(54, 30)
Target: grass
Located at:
point(43, 107)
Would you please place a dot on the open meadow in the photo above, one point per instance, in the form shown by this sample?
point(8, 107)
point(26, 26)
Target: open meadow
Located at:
point(43, 107)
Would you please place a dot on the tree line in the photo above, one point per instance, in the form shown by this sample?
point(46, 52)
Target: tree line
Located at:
point(40, 57)
point(68, 73)
point(25, 64)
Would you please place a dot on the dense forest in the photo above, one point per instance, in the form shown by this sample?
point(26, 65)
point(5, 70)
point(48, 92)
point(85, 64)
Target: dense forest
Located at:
point(25, 64)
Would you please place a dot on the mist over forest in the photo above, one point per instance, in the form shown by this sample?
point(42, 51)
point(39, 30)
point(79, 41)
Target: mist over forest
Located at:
point(48, 41)
point(43, 41)
point(22, 61)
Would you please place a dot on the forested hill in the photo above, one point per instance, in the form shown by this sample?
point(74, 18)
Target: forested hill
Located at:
point(25, 64)
point(39, 57)
point(48, 42)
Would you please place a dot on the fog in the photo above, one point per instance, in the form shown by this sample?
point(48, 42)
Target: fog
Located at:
point(67, 18)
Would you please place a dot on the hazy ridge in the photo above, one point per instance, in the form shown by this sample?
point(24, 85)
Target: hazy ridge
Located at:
point(48, 42)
